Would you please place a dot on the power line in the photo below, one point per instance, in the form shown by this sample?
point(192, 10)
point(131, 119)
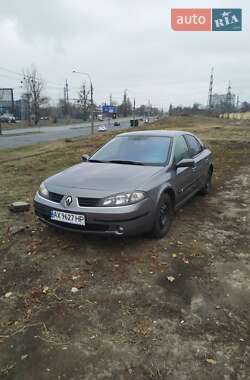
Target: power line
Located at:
point(11, 71)
point(54, 87)
point(8, 77)
point(53, 84)
point(22, 75)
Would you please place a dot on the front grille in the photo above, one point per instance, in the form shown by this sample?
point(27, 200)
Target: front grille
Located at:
point(88, 202)
point(54, 197)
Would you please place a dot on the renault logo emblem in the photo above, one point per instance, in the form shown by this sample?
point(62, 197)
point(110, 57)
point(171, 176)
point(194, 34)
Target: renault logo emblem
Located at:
point(68, 200)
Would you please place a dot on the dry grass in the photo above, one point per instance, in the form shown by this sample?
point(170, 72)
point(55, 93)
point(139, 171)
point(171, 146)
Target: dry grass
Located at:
point(127, 320)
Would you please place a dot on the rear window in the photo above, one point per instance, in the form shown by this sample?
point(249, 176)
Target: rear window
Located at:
point(194, 145)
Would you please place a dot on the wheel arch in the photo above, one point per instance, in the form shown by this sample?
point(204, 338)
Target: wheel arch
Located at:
point(171, 193)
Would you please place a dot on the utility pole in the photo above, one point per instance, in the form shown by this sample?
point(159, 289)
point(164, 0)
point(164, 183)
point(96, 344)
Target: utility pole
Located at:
point(125, 107)
point(64, 101)
point(28, 96)
point(27, 101)
point(66, 97)
point(210, 92)
point(229, 97)
point(92, 107)
point(238, 103)
point(35, 101)
point(110, 100)
point(84, 102)
point(67, 91)
point(134, 113)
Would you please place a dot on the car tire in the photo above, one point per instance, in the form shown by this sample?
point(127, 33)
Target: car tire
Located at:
point(163, 217)
point(206, 189)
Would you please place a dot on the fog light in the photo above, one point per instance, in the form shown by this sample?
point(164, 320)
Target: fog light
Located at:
point(120, 230)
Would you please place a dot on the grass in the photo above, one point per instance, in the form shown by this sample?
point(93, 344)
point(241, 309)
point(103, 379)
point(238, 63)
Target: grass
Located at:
point(23, 169)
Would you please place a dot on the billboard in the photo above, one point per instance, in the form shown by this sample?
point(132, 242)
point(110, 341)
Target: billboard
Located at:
point(108, 109)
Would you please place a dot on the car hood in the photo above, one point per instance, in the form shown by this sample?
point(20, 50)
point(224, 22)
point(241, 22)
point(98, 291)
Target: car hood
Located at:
point(103, 176)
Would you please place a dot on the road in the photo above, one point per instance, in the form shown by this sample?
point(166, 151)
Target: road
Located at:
point(27, 136)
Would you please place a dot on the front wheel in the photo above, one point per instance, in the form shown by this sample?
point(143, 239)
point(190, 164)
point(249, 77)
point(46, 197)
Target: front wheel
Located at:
point(163, 217)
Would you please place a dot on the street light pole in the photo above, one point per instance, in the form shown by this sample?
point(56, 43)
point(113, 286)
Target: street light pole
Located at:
point(91, 99)
point(134, 113)
point(92, 108)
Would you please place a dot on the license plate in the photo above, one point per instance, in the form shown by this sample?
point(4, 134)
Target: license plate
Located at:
point(67, 217)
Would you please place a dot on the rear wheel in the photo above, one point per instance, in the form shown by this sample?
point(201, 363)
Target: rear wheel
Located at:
point(206, 189)
point(163, 217)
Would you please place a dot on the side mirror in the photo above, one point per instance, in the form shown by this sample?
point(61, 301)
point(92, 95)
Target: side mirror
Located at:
point(186, 163)
point(85, 157)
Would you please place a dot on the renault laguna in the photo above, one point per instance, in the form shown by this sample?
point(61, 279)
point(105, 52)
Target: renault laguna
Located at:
point(132, 184)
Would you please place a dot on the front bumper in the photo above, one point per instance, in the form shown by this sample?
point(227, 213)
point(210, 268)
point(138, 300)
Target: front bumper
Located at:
point(124, 220)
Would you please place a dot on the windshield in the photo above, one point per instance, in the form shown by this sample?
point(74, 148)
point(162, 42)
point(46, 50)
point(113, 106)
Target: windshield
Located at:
point(138, 150)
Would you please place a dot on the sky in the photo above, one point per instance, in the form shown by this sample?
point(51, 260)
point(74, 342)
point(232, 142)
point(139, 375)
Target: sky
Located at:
point(122, 44)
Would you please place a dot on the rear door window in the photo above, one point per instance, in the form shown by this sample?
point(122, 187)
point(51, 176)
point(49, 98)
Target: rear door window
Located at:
point(194, 145)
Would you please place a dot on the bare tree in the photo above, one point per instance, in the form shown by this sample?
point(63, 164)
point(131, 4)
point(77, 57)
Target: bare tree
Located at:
point(84, 101)
point(125, 108)
point(34, 86)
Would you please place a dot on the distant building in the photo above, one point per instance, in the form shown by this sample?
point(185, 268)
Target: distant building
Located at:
point(18, 108)
point(223, 101)
point(6, 101)
point(199, 106)
point(21, 109)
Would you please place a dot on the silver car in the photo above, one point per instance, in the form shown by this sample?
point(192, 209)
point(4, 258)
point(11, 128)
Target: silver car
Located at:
point(132, 184)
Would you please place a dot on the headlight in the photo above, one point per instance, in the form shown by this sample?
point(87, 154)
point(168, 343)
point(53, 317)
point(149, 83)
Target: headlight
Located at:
point(123, 199)
point(43, 191)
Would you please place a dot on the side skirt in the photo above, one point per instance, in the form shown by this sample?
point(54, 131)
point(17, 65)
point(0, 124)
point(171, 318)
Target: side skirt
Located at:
point(191, 195)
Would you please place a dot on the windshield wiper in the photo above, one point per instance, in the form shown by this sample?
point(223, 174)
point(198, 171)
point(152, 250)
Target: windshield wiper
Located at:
point(125, 162)
point(97, 161)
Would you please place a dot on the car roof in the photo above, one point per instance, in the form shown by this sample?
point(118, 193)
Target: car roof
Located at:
point(155, 133)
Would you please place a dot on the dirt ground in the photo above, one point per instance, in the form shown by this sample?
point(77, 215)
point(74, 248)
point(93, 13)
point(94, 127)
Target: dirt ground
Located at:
point(172, 309)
